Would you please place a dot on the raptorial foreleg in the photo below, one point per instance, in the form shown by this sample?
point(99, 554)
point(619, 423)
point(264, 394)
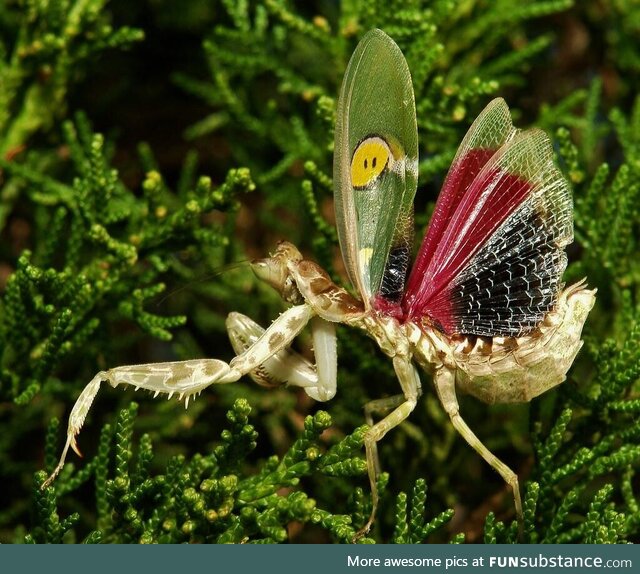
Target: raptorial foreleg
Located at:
point(286, 367)
point(182, 378)
point(185, 378)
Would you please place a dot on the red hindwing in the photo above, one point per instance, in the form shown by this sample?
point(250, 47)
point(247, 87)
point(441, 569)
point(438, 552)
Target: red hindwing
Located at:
point(493, 255)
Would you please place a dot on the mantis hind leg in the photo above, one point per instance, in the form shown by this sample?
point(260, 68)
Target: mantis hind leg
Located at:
point(445, 387)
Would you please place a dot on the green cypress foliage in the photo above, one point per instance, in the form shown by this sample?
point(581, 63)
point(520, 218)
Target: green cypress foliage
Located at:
point(139, 175)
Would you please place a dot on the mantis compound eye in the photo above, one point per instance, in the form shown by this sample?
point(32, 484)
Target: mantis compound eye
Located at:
point(274, 271)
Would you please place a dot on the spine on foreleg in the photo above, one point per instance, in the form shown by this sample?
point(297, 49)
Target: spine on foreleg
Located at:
point(186, 378)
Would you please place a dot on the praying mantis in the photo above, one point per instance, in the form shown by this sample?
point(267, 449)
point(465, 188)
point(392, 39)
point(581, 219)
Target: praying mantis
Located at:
point(482, 310)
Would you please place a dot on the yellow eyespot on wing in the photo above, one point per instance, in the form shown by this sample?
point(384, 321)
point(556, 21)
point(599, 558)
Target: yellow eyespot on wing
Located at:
point(370, 159)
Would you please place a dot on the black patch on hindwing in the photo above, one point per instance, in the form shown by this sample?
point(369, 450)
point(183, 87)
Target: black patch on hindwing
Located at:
point(513, 281)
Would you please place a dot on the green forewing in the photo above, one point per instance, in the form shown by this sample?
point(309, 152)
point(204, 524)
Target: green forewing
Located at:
point(376, 101)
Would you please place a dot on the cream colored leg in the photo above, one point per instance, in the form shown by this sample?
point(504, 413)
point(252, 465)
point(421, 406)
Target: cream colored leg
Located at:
point(326, 356)
point(410, 384)
point(380, 407)
point(279, 335)
point(186, 378)
point(445, 387)
point(286, 366)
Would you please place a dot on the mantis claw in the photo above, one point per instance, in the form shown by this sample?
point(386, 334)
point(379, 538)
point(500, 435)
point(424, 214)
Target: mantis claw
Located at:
point(74, 446)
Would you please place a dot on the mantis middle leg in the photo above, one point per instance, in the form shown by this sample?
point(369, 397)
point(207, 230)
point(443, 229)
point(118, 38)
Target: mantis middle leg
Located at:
point(380, 407)
point(410, 384)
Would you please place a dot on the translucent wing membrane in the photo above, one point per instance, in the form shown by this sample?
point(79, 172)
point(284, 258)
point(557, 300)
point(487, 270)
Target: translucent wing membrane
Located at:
point(489, 132)
point(497, 266)
point(375, 168)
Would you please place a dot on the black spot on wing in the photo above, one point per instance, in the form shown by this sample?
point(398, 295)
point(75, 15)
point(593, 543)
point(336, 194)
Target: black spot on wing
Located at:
point(395, 274)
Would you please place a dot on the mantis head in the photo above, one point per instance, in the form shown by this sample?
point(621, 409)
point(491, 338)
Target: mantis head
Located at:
point(275, 271)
